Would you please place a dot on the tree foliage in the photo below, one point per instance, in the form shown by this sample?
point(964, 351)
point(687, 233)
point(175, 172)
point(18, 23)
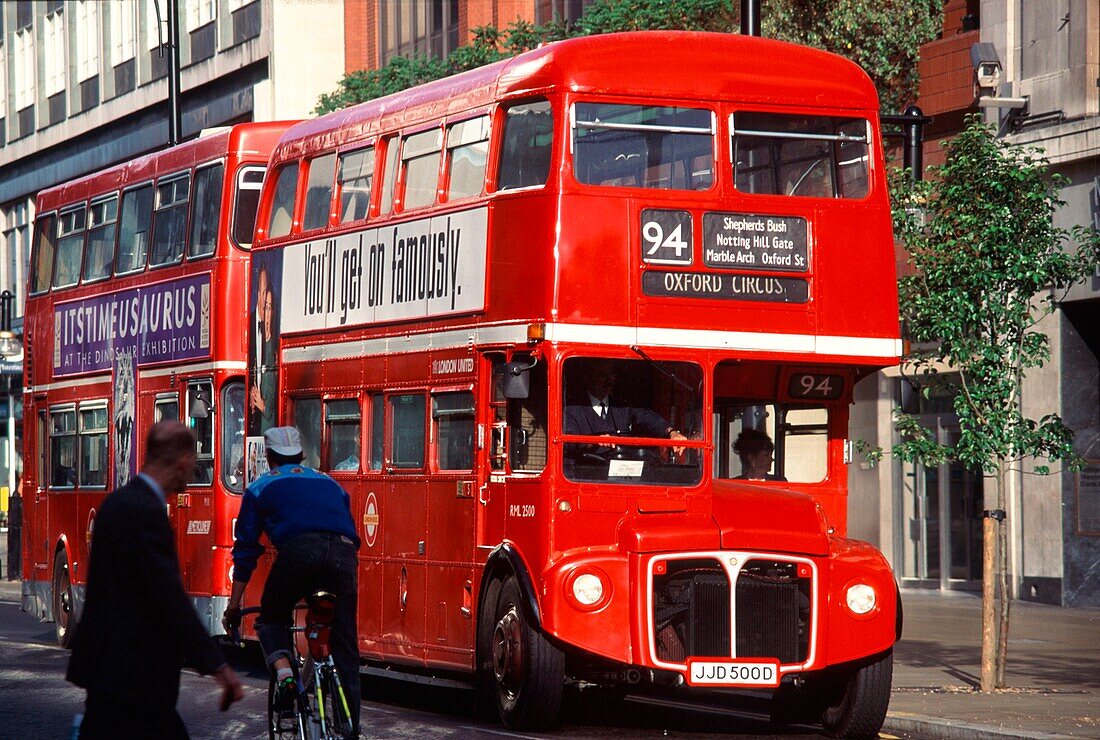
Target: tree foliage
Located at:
point(882, 36)
point(989, 264)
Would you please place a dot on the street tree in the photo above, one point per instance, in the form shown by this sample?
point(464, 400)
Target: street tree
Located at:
point(882, 36)
point(988, 265)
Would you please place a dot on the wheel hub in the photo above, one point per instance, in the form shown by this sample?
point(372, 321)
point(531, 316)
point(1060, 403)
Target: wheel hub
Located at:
point(508, 652)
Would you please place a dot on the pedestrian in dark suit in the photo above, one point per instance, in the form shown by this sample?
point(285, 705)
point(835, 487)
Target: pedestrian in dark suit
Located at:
point(138, 627)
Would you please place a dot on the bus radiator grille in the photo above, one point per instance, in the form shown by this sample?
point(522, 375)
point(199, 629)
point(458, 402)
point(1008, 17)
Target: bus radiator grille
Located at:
point(692, 618)
point(773, 612)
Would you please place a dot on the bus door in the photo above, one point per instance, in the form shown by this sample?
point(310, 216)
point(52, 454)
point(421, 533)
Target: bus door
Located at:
point(510, 493)
point(36, 506)
point(194, 506)
point(404, 522)
point(452, 519)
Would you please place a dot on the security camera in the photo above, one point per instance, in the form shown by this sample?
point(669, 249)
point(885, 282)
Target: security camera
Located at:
point(987, 66)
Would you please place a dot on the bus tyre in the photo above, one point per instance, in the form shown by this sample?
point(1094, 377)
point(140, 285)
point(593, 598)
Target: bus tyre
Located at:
point(63, 601)
point(862, 698)
point(485, 685)
point(528, 672)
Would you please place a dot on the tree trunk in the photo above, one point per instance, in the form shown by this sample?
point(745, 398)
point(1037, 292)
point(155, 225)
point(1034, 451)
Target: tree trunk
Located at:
point(1002, 621)
point(989, 606)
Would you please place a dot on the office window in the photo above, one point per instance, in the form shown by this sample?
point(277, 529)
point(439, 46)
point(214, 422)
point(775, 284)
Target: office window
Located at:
point(199, 13)
point(87, 39)
point(152, 25)
point(25, 63)
point(54, 53)
point(428, 27)
point(123, 38)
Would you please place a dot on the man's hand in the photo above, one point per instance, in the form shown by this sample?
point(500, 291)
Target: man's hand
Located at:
point(232, 690)
point(231, 620)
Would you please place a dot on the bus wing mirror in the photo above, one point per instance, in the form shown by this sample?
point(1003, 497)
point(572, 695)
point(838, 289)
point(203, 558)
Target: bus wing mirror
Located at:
point(199, 408)
point(517, 379)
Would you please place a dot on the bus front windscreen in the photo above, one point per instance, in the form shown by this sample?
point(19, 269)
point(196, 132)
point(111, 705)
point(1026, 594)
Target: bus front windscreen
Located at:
point(623, 420)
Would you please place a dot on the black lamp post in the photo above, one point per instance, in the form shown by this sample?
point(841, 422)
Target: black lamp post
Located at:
point(10, 348)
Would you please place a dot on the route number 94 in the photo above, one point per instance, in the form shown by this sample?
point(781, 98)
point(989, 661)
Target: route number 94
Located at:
point(666, 237)
point(816, 385)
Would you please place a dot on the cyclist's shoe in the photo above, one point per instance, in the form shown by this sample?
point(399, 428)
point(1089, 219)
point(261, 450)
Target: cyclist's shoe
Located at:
point(285, 693)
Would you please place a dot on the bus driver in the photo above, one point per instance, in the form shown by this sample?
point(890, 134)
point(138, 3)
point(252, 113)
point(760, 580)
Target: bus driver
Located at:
point(599, 412)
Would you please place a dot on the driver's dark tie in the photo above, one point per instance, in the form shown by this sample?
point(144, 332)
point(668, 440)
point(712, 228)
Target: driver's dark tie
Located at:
point(603, 410)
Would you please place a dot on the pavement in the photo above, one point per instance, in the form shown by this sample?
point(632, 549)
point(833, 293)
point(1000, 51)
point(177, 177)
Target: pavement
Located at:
point(1053, 671)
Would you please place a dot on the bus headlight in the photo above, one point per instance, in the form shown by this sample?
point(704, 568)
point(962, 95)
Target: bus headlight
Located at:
point(588, 588)
point(861, 598)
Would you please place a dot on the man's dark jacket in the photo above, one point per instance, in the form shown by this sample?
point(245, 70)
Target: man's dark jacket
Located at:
point(138, 627)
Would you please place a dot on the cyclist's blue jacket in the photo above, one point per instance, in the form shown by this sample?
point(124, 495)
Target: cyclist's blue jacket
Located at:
point(283, 503)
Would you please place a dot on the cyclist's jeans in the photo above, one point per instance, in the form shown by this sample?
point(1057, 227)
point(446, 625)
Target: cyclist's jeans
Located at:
point(318, 561)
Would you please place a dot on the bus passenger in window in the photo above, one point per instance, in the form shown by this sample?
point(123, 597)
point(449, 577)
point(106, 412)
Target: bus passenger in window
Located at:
point(757, 451)
point(599, 412)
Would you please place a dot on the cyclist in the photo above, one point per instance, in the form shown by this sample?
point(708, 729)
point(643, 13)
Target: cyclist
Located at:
point(307, 517)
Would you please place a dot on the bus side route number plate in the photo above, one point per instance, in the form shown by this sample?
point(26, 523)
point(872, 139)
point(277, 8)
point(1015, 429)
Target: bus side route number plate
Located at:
point(733, 673)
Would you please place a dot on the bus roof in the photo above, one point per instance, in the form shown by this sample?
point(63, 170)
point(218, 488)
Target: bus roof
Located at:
point(242, 139)
point(745, 69)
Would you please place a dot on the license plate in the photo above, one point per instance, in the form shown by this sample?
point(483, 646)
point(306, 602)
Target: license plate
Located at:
point(733, 673)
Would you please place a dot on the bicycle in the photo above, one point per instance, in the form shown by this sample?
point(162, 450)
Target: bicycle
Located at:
point(320, 710)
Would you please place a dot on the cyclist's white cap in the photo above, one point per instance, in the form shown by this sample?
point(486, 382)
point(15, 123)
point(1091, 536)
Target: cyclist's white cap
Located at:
point(283, 441)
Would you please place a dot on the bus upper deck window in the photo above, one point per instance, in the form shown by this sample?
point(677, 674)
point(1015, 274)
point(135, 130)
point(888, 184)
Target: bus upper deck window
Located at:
point(420, 162)
point(99, 254)
point(133, 231)
point(640, 146)
point(467, 154)
point(282, 202)
point(389, 174)
point(319, 192)
point(70, 247)
point(43, 253)
point(170, 220)
point(355, 180)
point(526, 145)
point(250, 181)
point(809, 156)
point(206, 211)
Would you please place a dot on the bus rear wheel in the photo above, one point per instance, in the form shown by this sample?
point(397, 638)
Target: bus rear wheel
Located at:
point(63, 601)
point(862, 698)
point(528, 672)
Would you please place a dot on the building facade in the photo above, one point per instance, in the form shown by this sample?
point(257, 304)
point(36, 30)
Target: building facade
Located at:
point(83, 86)
point(928, 522)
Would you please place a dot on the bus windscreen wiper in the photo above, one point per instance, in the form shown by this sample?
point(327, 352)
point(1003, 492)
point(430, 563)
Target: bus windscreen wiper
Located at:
point(664, 370)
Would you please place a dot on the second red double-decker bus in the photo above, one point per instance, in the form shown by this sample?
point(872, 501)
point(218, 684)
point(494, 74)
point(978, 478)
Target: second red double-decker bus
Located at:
point(550, 321)
point(136, 313)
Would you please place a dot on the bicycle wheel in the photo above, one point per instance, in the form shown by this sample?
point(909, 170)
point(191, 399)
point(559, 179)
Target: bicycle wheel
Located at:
point(286, 724)
point(333, 710)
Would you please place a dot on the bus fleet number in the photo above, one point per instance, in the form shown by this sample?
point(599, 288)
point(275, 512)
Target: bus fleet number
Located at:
point(524, 511)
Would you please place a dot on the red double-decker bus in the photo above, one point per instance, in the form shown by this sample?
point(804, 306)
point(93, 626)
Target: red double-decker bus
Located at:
point(136, 313)
point(530, 315)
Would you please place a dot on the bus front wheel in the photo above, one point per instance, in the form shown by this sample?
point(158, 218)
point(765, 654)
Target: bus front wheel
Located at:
point(862, 698)
point(63, 601)
point(528, 672)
